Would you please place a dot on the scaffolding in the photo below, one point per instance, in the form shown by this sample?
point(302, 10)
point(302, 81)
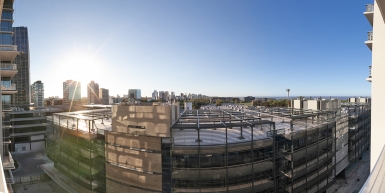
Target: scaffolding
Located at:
point(75, 142)
point(223, 151)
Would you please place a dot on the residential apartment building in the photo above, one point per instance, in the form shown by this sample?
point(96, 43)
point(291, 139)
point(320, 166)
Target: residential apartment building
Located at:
point(134, 94)
point(93, 93)
point(162, 96)
point(22, 78)
point(166, 95)
point(375, 14)
point(376, 43)
point(8, 53)
point(37, 94)
point(155, 95)
point(71, 92)
point(104, 96)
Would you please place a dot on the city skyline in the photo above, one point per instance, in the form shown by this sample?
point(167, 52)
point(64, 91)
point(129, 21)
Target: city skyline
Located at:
point(220, 49)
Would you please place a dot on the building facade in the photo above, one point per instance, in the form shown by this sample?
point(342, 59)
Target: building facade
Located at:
point(93, 93)
point(104, 96)
point(134, 94)
point(376, 43)
point(8, 53)
point(37, 94)
point(71, 92)
point(29, 128)
point(155, 95)
point(162, 96)
point(22, 78)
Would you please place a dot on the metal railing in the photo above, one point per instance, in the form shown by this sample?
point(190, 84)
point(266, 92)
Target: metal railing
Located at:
point(8, 162)
point(370, 71)
point(9, 87)
point(8, 66)
point(369, 7)
point(370, 36)
point(8, 48)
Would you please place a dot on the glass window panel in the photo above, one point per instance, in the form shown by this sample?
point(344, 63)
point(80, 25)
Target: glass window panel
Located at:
point(7, 15)
point(6, 26)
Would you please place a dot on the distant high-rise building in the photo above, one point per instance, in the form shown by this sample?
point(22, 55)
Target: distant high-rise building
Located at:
point(134, 94)
point(104, 96)
point(162, 95)
point(37, 93)
point(155, 95)
point(93, 93)
point(71, 92)
point(166, 95)
point(172, 95)
point(22, 78)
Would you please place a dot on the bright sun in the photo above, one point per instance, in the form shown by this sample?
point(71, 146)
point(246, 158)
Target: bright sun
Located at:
point(80, 66)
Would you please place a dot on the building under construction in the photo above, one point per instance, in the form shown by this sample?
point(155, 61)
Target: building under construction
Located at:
point(157, 148)
point(75, 142)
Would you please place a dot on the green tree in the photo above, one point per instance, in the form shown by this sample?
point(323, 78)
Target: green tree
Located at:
point(219, 102)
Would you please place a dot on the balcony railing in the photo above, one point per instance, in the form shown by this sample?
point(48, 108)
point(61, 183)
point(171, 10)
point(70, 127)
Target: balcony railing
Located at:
point(369, 8)
point(370, 71)
point(9, 87)
point(8, 66)
point(370, 36)
point(376, 178)
point(8, 162)
point(8, 48)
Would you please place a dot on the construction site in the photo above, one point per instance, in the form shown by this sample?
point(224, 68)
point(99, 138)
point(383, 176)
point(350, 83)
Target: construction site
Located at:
point(75, 143)
point(230, 148)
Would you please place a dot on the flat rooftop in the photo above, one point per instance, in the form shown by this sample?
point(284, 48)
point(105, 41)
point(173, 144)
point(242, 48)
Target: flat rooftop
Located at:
point(88, 121)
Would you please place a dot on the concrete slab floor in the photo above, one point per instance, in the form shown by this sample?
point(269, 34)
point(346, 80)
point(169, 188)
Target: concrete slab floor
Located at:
point(356, 178)
point(48, 186)
point(29, 163)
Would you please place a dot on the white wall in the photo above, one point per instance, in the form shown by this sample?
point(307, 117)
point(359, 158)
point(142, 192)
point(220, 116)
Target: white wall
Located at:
point(378, 89)
point(40, 145)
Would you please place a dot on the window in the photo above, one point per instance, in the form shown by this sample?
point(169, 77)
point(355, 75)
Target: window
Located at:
point(6, 26)
point(6, 38)
point(7, 15)
point(6, 82)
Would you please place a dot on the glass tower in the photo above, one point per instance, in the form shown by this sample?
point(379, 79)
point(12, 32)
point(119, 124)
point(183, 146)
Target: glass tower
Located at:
point(22, 78)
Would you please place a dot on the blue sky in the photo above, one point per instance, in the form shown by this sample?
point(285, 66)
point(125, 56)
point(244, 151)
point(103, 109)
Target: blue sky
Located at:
point(216, 47)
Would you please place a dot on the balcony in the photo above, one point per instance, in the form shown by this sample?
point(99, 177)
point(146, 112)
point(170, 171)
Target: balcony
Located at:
point(10, 89)
point(8, 52)
point(369, 42)
point(369, 13)
point(376, 179)
point(8, 70)
point(369, 79)
point(9, 177)
point(8, 163)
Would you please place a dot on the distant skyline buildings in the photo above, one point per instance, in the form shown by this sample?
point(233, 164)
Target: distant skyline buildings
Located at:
point(104, 96)
point(71, 92)
point(37, 93)
point(134, 94)
point(93, 93)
